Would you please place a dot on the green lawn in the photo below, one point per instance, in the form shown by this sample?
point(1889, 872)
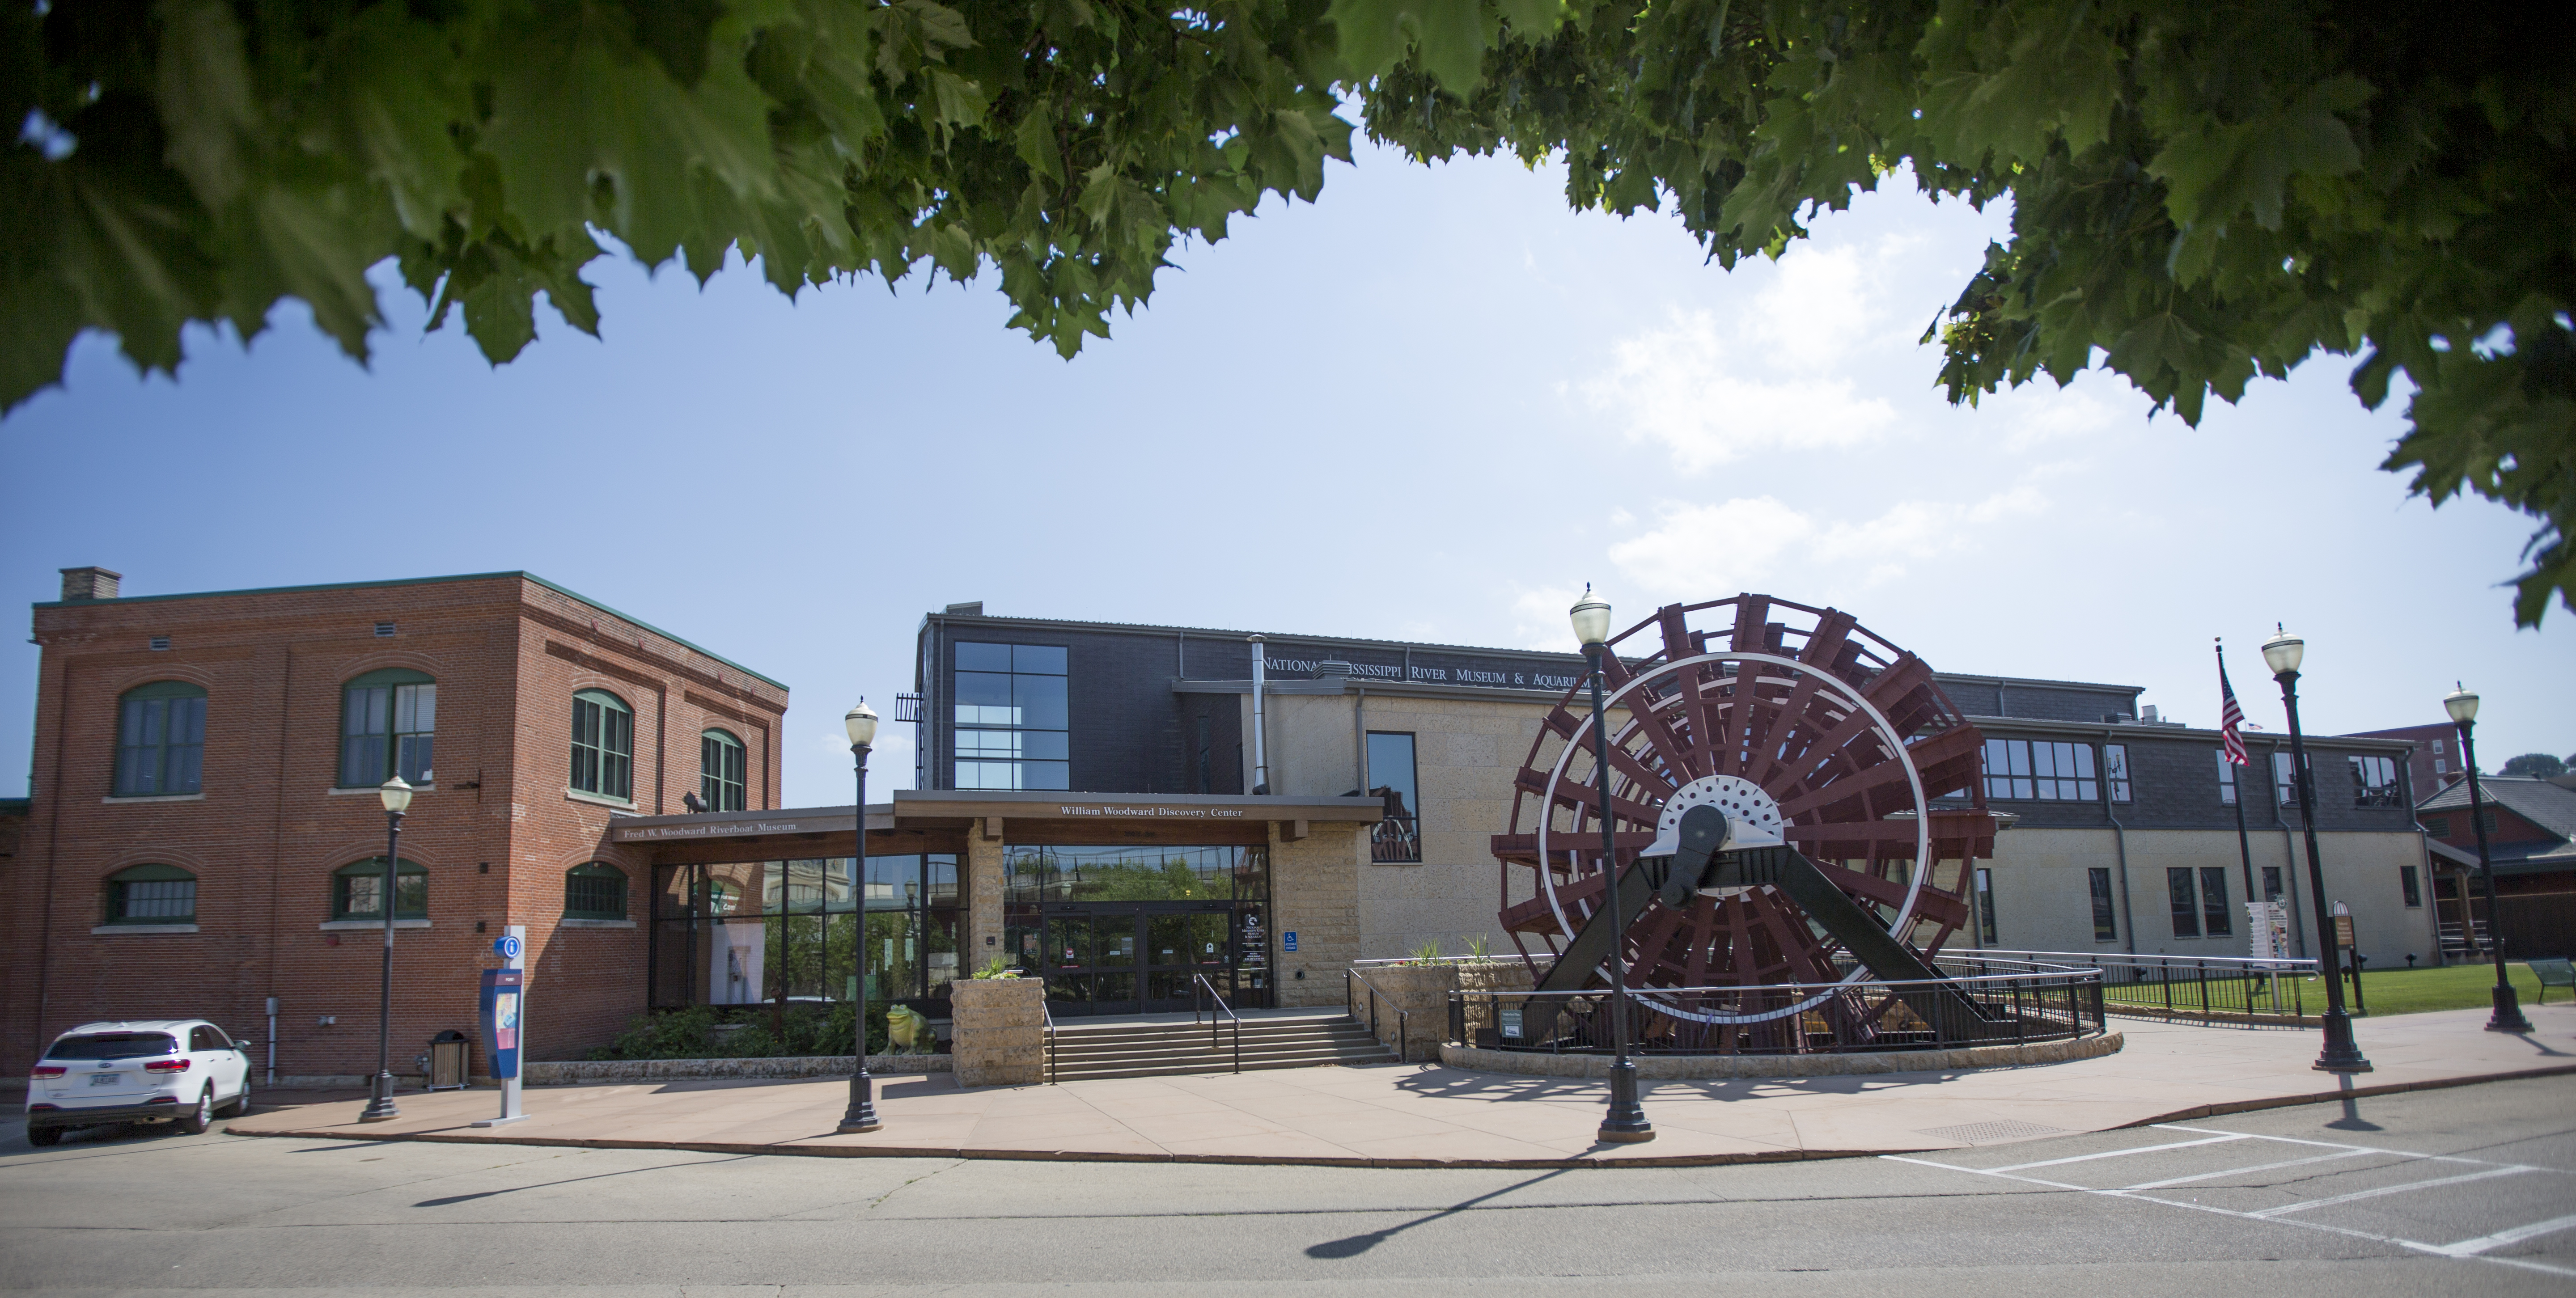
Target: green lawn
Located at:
point(2413, 991)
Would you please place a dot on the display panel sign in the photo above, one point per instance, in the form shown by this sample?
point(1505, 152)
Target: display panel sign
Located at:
point(504, 993)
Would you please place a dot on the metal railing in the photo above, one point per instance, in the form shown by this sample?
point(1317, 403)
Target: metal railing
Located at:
point(2212, 989)
point(2029, 1005)
point(1403, 1019)
point(1201, 984)
point(1049, 1019)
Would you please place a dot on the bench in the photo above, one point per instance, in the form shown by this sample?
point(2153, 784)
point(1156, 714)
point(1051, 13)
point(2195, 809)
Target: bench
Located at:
point(2552, 973)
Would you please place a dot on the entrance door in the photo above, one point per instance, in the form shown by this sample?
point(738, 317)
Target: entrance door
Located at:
point(1131, 957)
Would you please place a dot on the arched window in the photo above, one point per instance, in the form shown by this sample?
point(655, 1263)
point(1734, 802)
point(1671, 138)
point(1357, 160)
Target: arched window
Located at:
point(603, 744)
point(595, 891)
point(387, 720)
point(358, 890)
point(152, 894)
point(160, 740)
point(720, 771)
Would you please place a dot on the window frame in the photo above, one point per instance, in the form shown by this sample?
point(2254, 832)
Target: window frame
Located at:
point(1985, 889)
point(114, 900)
point(2227, 781)
point(1393, 840)
point(986, 749)
point(126, 778)
point(2410, 886)
point(2022, 779)
point(2115, 771)
point(373, 868)
point(623, 889)
point(2365, 794)
point(392, 680)
point(2285, 779)
point(2216, 919)
point(2106, 911)
point(613, 718)
point(2182, 890)
point(720, 743)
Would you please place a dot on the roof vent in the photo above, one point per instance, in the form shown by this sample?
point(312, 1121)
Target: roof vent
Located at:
point(160, 642)
point(384, 630)
point(1331, 668)
point(90, 583)
point(975, 609)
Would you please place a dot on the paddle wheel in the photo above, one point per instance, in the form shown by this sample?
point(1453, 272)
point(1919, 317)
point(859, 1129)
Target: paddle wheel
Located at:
point(1846, 778)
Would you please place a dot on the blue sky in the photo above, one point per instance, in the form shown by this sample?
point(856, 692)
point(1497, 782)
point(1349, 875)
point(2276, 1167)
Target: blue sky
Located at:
point(1431, 406)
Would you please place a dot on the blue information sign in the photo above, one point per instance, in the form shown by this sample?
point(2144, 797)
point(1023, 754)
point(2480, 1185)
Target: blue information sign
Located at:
point(507, 947)
point(1288, 940)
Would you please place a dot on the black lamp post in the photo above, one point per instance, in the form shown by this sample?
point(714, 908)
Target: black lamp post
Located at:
point(2463, 707)
point(861, 722)
point(1626, 1123)
point(396, 796)
point(2342, 1054)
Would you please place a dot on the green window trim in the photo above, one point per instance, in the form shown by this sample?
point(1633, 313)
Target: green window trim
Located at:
point(388, 725)
point(603, 745)
point(358, 883)
point(151, 894)
point(596, 890)
point(160, 740)
point(721, 766)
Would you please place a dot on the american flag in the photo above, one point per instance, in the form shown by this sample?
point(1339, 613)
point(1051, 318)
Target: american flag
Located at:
point(2231, 718)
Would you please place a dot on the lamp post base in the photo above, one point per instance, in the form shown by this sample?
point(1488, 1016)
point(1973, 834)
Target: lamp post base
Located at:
point(2508, 1013)
point(1627, 1123)
point(380, 1100)
point(862, 1114)
point(2342, 1054)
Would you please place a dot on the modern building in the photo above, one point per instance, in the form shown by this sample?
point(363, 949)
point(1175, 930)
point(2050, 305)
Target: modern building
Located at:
point(2124, 827)
point(2531, 841)
point(2436, 760)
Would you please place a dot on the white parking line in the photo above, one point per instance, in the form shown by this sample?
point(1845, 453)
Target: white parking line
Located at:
point(2407, 1188)
point(2240, 1171)
point(2123, 1153)
point(2470, 1250)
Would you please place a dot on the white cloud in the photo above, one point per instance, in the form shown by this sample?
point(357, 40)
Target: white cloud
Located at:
point(1700, 551)
point(889, 759)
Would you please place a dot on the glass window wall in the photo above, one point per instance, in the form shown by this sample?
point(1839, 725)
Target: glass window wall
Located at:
point(1012, 717)
point(756, 932)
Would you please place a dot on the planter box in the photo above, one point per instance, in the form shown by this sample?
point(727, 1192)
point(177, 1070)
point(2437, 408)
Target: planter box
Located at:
point(577, 1072)
point(997, 1031)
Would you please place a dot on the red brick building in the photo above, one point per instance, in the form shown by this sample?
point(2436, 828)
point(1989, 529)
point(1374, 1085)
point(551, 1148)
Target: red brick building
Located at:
point(204, 832)
point(2531, 841)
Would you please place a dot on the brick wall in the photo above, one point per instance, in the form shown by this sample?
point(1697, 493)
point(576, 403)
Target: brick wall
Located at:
point(496, 829)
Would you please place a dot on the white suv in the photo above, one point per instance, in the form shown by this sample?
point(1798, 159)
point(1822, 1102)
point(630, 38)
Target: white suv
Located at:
point(146, 1070)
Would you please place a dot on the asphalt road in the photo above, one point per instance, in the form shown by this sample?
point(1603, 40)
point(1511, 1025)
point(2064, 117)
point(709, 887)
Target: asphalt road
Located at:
point(2463, 1191)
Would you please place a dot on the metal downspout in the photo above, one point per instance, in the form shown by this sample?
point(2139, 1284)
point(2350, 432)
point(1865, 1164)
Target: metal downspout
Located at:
point(2120, 838)
point(1260, 755)
point(1359, 736)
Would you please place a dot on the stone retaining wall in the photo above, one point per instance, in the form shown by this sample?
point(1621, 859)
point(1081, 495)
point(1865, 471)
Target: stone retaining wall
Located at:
point(579, 1072)
point(1679, 1067)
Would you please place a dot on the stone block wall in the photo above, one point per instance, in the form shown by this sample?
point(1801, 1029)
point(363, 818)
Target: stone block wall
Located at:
point(1314, 886)
point(998, 1036)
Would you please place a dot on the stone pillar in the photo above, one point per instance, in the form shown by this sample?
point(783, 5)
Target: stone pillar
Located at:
point(1314, 893)
point(998, 1033)
point(983, 898)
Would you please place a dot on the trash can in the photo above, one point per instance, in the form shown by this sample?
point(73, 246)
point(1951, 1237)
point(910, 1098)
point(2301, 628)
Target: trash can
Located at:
point(448, 1060)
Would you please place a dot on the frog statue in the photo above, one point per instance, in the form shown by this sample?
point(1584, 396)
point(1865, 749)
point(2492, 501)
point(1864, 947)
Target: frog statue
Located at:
point(908, 1031)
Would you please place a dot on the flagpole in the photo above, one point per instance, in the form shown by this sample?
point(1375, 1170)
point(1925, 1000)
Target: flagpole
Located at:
point(2244, 846)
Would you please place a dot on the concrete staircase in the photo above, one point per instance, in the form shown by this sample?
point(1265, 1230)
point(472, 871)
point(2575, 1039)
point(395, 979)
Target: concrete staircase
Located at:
point(1084, 1052)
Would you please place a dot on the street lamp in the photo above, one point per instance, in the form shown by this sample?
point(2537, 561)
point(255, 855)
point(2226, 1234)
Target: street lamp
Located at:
point(1626, 1123)
point(861, 722)
point(2342, 1054)
point(396, 796)
point(2463, 707)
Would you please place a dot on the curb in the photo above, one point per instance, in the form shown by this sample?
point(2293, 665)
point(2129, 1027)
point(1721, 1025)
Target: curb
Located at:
point(1520, 1164)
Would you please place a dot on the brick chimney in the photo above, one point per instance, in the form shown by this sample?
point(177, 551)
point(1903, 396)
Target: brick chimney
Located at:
point(90, 583)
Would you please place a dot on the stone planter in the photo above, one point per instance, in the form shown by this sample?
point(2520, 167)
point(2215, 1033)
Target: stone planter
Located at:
point(1501, 976)
point(578, 1072)
point(997, 1033)
point(1421, 992)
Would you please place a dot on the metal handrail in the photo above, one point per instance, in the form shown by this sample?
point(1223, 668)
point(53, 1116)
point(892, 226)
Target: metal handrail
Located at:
point(1049, 1018)
point(2101, 959)
point(1403, 1017)
point(1200, 983)
point(2015, 1007)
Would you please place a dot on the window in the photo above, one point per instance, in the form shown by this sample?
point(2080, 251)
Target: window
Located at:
point(152, 894)
point(2214, 917)
point(2272, 883)
point(205, 1038)
point(2411, 886)
point(1986, 906)
point(2027, 770)
point(1011, 717)
point(2115, 770)
point(2186, 907)
point(358, 890)
point(595, 891)
point(2374, 782)
point(1206, 766)
point(603, 744)
point(2438, 826)
point(387, 720)
point(2106, 924)
point(720, 767)
point(1391, 775)
point(160, 740)
point(2226, 778)
point(2285, 783)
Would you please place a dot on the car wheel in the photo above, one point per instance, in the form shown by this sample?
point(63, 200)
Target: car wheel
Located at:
point(44, 1135)
point(196, 1120)
point(240, 1107)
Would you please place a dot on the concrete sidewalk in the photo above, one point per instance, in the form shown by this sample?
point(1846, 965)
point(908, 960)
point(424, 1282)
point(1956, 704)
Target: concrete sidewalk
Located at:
point(1414, 1115)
